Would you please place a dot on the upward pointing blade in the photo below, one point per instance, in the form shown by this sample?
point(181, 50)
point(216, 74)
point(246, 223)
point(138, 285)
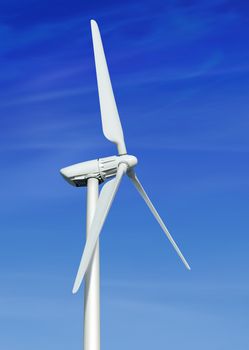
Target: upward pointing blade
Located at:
point(144, 195)
point(111, 124)
point(103, 206)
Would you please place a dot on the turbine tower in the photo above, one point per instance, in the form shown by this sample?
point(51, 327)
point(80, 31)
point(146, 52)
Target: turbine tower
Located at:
point(91, 174)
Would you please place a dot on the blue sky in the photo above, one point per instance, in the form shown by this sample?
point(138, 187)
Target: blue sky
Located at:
point(180, 74)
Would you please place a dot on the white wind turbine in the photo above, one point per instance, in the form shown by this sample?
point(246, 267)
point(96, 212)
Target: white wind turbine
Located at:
point(91, 174)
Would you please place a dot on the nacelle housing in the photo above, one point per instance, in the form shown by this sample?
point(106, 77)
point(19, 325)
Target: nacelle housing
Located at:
point(102, 168)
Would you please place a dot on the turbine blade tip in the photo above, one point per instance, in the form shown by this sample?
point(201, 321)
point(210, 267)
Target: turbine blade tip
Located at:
point(93, 22)
point(75, 288)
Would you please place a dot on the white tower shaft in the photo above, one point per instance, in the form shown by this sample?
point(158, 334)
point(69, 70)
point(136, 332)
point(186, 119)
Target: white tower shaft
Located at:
point(92, 294)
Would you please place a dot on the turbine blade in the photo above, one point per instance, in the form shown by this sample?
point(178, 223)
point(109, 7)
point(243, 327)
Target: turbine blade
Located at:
point(111, 124)
point(104, 203)
point(144, 195)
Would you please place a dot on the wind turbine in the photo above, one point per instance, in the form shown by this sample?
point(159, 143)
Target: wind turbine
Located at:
point(91, 174)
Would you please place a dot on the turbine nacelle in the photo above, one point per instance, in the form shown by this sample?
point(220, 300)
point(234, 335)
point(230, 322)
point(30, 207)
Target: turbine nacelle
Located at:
point(101, 169)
